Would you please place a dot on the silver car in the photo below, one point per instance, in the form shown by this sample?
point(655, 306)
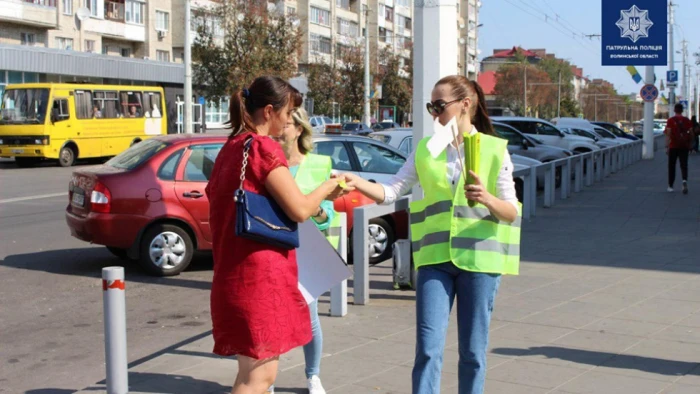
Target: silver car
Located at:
point(401, 139)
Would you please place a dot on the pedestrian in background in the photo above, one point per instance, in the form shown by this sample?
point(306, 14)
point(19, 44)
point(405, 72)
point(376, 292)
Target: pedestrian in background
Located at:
point(257, 310)
point(679, 140)
point(696, 134)
point(460, 249)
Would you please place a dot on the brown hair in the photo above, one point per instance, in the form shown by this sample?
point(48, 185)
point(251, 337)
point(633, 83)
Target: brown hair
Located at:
point(463, 88)
point(264, 91)
point(305, 142)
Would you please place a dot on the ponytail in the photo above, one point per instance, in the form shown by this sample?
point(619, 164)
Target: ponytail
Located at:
point(239, 118)
point(480, 118)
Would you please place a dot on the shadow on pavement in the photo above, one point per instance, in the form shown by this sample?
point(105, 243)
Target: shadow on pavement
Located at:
point(50, 391)
point(609, 360)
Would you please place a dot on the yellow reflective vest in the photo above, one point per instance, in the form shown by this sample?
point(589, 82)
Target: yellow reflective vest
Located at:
point(443, 226)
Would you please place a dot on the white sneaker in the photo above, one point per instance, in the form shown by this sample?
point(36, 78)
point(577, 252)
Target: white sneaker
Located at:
point(670, 189)
point(314, 385)
point(271, 389)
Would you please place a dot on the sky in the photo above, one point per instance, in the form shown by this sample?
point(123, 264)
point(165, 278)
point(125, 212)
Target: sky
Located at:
point(559, 26)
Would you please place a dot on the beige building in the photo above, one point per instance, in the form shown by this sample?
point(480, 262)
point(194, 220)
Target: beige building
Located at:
point(142, 41)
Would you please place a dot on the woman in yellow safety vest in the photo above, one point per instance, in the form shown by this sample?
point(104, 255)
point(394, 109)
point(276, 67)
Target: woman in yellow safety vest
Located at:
point(309, 171)
point(463, 236)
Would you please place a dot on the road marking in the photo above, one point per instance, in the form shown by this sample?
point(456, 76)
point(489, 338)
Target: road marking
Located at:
point(18, 199)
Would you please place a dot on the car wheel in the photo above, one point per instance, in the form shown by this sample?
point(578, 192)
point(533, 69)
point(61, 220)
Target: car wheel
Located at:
point(381, 238)
point(67, 157)
point(119, 253)
point(166, 250)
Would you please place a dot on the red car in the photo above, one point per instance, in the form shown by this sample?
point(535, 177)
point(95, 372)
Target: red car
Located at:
point(148, 203)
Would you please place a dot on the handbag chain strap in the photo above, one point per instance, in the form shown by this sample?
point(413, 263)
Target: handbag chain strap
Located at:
point(245, 161)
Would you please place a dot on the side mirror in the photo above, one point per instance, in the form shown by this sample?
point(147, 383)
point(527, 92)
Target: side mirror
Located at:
point(525, 144)
point(54, 115)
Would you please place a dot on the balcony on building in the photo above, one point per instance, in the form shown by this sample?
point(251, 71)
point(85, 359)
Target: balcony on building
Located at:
point(38, 13)
point(122, 20)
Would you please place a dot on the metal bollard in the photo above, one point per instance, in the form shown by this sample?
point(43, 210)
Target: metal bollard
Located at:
point(114, 303)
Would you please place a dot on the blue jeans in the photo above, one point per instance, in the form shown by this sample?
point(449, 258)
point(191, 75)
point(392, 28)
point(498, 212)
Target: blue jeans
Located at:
point(435, 294)
point(313, 350)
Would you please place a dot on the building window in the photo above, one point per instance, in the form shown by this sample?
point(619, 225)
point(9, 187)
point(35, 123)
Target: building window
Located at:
point(126, 52)
point(162, 21)
point(382, 34)
point(291, 10)
point(64, 43)
point(389, 14)
point(163, 56)
point(105, 49)
point(343, 4)
point(320, 44)
point(348, 28)
point(114, 11)
point(405, 3)
point(217, 112)
point(67, 7)
point(28, 39)
point(92, 6)
point(134, 12)
point(321, 17)
point(45, 3)
point(90, 46)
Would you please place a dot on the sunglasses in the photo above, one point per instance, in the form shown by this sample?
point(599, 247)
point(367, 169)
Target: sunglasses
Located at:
point(437, 107)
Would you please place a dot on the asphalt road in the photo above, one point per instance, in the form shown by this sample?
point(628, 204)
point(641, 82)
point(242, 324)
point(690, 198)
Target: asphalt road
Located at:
point(51, 322)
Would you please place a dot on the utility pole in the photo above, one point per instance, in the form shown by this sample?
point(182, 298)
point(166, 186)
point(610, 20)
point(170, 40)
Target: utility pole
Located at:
point(525, 89)
point(366, 117)
point(187, 113)
point(672, 90)
point(684, 46)
point(559, 98)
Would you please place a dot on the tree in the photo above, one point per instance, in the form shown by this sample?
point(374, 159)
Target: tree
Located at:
point(554, 69)
point(510, 92)
point(397, 84)
point(352, 81)
point(324, 87)
point(238, 41)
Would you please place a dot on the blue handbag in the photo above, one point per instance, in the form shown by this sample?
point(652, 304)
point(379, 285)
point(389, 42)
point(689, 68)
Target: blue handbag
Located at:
point(261, 219)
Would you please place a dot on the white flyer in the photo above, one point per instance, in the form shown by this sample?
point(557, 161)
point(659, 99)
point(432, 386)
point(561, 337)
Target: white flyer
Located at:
point(320, 265)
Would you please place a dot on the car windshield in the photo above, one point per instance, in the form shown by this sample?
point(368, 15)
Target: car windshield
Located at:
point(604, 133)
point(327, 120)
point(137, 154)
point(24, 106)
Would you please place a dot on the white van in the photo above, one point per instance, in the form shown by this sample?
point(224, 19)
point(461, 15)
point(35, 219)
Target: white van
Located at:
point(548, 133)
point(583, 124)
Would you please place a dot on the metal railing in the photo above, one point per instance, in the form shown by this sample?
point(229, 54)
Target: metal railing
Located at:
point(581, 170)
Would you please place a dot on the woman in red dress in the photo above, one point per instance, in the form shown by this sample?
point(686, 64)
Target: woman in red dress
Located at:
point(258, 312)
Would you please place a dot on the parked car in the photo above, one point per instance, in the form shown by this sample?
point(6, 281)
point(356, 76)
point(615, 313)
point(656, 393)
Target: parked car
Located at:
point(401, 139)
point(355, 128)
point(592, 135)
point(148, 203)
point(616, 130)
point(385, 125)
point(604, 137)
point(319, 123)
point(548, 134)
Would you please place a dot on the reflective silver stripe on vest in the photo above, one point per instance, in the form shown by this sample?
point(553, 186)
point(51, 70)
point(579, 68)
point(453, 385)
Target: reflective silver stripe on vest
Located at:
point(432, 209)
point(431, 239)
point(479, 213)
point(332, 232)
point(480, 245)
point(486, 245)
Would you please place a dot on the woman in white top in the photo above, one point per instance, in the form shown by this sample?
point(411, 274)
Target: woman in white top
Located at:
point(439, 284)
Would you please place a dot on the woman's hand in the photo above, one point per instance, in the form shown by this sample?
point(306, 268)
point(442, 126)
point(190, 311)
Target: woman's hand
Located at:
point(477, 191)
point(338, 190)
point(374, 191)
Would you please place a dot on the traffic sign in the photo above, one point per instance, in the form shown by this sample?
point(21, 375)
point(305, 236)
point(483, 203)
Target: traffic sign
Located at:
point(649, 93)
point(672, 76)
point(684, 103)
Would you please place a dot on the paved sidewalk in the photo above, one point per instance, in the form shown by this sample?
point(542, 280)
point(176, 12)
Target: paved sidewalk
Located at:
point(608, 302)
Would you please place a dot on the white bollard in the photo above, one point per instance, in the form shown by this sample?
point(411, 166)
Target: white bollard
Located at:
point(114, 303)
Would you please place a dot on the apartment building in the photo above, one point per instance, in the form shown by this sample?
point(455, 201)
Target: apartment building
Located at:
point(142, 41)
